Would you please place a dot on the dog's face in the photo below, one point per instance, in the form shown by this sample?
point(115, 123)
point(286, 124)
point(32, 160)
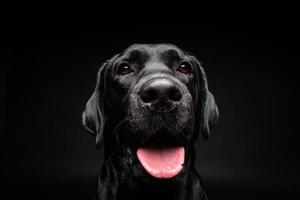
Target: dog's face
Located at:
point(152, 99)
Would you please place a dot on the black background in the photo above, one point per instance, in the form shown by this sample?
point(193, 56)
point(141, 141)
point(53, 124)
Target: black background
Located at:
point(49, 72)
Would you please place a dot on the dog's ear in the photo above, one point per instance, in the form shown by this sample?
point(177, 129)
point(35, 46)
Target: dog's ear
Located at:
point(207, 107)
point(93, 117)
point(210, 115)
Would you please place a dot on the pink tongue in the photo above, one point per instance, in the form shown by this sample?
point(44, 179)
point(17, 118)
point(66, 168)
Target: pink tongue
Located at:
point(162, 162)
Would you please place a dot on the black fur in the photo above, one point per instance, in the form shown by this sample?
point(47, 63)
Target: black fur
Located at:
point(120, 121)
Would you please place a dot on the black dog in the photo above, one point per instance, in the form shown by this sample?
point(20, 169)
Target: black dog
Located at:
point(148, 108)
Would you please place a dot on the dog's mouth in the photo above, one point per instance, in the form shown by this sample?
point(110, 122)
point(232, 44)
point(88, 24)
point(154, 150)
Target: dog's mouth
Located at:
point(162, 156)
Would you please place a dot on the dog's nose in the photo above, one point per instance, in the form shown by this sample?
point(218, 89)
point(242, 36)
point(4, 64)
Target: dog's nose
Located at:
point(162, 93)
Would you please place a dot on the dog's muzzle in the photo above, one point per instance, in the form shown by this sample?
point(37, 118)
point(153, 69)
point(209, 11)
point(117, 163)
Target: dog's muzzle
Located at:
point(160, 109)
point(160, 101)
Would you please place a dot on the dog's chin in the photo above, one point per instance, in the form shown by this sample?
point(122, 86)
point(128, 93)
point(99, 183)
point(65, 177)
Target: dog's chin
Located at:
point(162, 155)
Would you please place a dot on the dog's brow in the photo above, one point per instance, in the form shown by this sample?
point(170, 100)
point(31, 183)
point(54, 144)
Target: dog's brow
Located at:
point(171, 54)
point(137, 55)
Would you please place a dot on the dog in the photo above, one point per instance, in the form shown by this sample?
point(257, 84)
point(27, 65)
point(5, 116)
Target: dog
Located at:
point(148, 108)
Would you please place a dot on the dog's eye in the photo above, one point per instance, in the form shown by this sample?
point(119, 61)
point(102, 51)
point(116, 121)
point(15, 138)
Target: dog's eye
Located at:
point(184, 68)
point(124, 69)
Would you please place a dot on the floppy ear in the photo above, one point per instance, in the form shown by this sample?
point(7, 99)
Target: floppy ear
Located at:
point(93, 117)
point(209, 113)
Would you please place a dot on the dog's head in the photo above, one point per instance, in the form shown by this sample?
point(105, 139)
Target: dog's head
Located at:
point(149, 98)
